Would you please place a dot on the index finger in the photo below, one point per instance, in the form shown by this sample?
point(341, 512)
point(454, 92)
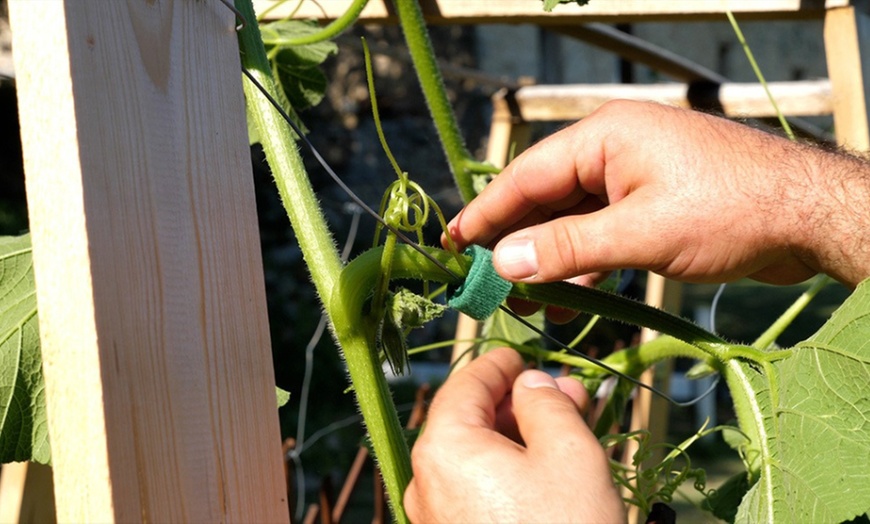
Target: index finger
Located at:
point(541, 181)
point(470, 397)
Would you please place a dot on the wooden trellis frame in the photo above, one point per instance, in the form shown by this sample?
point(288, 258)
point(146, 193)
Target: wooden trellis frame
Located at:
point(530, 11)
point(152, 307)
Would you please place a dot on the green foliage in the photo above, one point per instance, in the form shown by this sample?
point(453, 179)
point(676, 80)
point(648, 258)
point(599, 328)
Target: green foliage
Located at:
point(723, 502)
point(804, 419)
point(549, 5)
point(282, 397)
point(502, 327)
point(657, 482)
point(296, 69)
point(405, 311)
point(23, 419)
point(807, 417)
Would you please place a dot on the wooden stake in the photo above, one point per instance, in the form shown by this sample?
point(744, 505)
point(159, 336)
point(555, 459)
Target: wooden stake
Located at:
point(152, 308)
point(847, 37)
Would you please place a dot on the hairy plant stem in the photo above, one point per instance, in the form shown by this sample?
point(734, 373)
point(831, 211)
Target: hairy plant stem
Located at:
point(282, 154)
point(324, 264)
point(462, 165)
point(408, 263)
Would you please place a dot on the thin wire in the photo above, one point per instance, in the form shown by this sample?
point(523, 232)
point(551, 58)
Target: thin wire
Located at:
point(714, 306)
point(347, 421)
point(242, 21)
point(309, 372)
point(437, 262)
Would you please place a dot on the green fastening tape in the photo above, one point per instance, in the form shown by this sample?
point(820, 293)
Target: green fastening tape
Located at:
point(483, 290)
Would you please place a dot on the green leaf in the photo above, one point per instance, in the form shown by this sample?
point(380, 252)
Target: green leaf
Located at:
point(411, 310)
point(502, 327)
point(404, 311)
point(282, 396)
point(23, 420)
point(393, 344)
point(549, 5)
point(304, 86)
point(297, 67)
point(723, 502)
point(809, 419)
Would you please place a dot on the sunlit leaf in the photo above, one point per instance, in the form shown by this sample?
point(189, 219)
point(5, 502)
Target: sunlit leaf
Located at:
point(23, 422)
point(810, 423)
point(282, 396)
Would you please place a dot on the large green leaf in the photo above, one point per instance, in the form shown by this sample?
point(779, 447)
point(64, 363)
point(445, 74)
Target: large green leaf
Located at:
point(23, 423)
point(809, 418)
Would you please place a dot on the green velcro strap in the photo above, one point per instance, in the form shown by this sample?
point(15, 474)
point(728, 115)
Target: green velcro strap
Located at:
point(483, 290)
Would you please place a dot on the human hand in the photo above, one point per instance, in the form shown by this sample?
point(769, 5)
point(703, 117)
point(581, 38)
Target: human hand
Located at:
point(506, 445)
point(687, 195)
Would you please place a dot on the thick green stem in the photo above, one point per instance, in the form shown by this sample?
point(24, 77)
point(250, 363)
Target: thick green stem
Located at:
point(325, 266)
point(615, 307)
point(417, 38)
point(407, 263)
point(282, 154)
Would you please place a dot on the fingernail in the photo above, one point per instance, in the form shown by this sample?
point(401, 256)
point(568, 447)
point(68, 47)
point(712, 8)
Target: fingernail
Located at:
point(517, 258)
point(534, 379)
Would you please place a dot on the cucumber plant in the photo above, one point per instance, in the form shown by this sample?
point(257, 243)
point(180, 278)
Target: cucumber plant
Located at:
point(802, 411)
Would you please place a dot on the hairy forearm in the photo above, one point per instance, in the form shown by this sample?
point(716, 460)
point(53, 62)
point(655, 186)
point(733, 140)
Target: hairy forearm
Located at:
point(834, 225)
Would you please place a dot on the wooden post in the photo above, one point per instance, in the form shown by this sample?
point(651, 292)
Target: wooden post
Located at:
point(650, 412)
point(26, 494)
point(847, 37)
point(151, 298)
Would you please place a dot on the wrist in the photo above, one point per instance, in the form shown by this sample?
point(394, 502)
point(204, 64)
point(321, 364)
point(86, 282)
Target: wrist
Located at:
point(833, 225)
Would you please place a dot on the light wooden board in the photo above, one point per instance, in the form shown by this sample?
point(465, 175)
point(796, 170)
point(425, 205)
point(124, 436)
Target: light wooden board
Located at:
point(151, 299)
point(572, 102)
point(531, 11)
point(847, 37)
point(26, 494)
point(650, 412)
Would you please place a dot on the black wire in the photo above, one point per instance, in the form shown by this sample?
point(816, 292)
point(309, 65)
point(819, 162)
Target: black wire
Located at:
point(441, 265)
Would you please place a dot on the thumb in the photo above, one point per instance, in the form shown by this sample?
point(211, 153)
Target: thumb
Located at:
point(546, 416)
point(608, 239)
